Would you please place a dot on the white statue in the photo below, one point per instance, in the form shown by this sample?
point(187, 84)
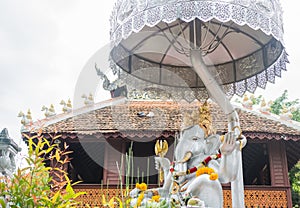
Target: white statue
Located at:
point(203, 161)
point(199, 168)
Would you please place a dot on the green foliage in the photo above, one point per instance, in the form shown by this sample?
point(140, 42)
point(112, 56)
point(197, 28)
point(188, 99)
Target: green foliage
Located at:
point(282, 101)
point(277, 104)
point(294, 175)
point(256, 100)
point(34, 186)
point(296, 115)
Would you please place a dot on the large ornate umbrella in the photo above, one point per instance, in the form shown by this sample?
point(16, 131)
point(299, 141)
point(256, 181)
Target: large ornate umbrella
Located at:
point(198, 48)
point(241, 42)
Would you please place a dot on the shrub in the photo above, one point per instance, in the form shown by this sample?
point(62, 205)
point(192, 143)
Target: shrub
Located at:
point(37, 185)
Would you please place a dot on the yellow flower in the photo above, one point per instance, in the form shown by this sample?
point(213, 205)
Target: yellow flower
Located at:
point(143, 187)
point(141, 196)
point(204, 170)
point(210, 171)
point(110, 204)
point(137, 185)
point(140, 199)
point(213, 176)
point(156, 198)
point(200, 171)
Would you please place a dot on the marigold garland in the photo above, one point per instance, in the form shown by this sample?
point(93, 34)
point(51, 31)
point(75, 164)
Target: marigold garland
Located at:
point(206, 170)
point(203, 164)
point(213, 176)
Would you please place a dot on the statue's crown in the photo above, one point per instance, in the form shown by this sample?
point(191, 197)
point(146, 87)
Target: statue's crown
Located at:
point(202, 117)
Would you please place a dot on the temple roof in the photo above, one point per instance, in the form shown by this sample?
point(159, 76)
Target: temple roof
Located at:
point(121, 116)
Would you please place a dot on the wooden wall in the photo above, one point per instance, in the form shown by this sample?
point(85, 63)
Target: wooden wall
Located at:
point(279, 167)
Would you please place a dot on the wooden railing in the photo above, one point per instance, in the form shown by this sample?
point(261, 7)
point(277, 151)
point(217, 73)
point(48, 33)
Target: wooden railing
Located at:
point(255, 196)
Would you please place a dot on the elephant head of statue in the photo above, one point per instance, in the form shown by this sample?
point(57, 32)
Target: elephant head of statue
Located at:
point(193, 143)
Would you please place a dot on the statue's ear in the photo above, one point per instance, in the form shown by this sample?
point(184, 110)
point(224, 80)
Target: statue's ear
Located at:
point(212, 144)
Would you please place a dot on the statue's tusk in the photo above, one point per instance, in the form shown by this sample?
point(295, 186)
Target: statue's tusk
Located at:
point(186, 157)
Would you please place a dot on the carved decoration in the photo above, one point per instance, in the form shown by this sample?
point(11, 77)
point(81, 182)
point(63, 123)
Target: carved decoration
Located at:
point(253, 198)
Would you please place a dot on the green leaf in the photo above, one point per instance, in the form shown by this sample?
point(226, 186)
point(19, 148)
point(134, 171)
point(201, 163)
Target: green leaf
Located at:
point(49, 149)
point(55, 197)
point(69, 189)
point(2, 202)
point(57, 156)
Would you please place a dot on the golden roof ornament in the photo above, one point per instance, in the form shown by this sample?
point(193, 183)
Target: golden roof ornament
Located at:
point(69, 104)
point(44, 108)
point(263, 103)
point(49, 111)
point(23, 120)
point(264, 107)
point(201, 117)
point(88, 100)
point(91, 97)
point(28, 116)
point(26, 119)
point(285, 113)
point(247, 102)
point(270, 103)
point(67, 107)
point(63, 103)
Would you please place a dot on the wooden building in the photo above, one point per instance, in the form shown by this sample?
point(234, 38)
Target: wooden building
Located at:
point(100, 133)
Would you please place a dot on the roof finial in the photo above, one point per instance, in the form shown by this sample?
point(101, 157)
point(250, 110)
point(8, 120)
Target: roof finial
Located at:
point(49, 111)
point(88, 100)
point(24, 119)
point(67, 107)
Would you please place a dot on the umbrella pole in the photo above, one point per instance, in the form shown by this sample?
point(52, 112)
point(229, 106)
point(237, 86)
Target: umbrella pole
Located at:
point(237, 186)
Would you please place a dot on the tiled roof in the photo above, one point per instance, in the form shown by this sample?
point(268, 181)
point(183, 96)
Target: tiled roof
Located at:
point(120, 115)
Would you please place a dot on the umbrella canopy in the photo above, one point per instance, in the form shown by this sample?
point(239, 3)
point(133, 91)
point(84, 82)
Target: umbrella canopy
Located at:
point(241, 43)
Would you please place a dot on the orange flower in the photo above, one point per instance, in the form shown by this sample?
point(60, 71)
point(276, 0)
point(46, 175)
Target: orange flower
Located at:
point(156, 198)
point(204, 170)
point(143, 187)
point(210, 171)
point(213, 176)
point(201, 171)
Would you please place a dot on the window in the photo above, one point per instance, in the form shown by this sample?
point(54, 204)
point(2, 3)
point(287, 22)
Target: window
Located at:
point(144, 163)
point(256, 168)
point(87, 162)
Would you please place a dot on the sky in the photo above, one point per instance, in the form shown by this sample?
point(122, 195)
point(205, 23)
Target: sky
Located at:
point(45, 44)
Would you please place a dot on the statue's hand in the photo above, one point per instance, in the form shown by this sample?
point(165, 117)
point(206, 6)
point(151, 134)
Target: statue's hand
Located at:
point(229, 143)
point(162, 162)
